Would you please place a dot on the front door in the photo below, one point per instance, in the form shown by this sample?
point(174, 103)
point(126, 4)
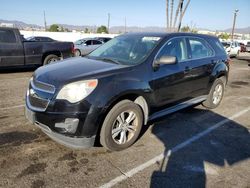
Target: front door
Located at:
point(11, 48)
point(169, 82)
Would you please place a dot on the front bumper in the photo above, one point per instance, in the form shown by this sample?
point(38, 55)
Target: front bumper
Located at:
point(76, 142)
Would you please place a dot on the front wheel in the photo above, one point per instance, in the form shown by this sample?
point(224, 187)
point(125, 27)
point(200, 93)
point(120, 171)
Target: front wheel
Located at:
point(121, 126)
point(215, 95)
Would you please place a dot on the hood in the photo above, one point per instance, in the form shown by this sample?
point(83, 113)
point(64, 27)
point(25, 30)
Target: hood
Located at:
point(74, 69)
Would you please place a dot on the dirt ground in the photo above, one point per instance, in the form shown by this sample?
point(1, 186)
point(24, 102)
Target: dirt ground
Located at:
point(195, 147)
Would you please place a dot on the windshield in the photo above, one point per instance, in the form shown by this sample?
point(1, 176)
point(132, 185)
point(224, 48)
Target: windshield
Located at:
point(79, 42)
point(225, 44)
point(128, 49)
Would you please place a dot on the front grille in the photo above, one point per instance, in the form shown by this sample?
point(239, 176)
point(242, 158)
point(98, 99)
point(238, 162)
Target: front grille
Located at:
point(36, 102)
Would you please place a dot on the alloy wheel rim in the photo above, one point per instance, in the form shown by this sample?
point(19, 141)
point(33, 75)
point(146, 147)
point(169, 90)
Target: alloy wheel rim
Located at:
point(77, 53)
point(124, 127)
point(217, 94)
point(52, 60)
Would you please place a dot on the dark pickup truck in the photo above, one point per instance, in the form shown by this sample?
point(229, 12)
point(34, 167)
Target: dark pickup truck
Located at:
point(16, 51)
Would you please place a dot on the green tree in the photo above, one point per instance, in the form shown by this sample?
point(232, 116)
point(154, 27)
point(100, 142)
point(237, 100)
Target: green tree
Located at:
point(66, 30)
point(102, 29)
point(224, 36)
point(185, 29)
point(53, 28)
point(188, 29)
point(86, 30)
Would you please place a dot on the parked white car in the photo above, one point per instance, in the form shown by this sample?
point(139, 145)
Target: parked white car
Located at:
point(86, 46)
point(248, 47)
point(232, 48)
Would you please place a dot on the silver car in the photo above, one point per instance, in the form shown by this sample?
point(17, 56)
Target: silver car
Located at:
point(85, 46)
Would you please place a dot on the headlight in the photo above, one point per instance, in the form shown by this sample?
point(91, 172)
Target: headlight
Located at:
point(76, 91)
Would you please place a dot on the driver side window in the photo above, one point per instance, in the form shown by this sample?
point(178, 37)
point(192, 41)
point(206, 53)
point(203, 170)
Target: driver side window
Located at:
point(175, 47)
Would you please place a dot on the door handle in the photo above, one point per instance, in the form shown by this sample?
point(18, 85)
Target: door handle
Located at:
point(187, 69)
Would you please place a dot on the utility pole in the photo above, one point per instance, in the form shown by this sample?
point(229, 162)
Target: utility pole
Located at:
point(44, 17)
point(125, 26)
point(234, 21)
point(108, 21)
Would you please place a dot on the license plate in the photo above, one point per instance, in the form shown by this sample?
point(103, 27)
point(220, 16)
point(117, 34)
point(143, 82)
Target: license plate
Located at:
point(30, 115)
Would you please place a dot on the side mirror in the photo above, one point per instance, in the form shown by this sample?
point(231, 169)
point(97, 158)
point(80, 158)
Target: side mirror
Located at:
point(166, 60)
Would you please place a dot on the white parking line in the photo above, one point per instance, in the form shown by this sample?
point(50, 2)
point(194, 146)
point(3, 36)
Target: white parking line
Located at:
point(14, 79)
point(13, 107)
point(141, 167)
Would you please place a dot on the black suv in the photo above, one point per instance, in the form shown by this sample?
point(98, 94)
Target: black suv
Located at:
point(130, 80)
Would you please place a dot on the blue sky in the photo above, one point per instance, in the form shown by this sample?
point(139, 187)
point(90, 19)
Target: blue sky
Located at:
point(211, 14)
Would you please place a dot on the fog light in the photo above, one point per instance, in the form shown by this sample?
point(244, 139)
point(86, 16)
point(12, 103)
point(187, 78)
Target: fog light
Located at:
point(69, 125)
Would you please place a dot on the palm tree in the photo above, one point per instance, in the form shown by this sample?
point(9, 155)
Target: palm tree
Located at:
point(167, 15)
point(171, 14)
point(182, 13)
point(177, 13)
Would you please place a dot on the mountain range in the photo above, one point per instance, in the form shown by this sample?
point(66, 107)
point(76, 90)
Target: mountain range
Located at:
point(114, 29)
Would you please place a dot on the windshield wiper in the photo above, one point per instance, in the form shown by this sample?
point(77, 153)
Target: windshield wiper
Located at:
point(109, 60)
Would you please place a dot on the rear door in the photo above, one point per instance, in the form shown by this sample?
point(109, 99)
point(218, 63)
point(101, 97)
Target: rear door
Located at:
point(11, 48)
point(88, 47)
point(96, 43)
point(199, 67)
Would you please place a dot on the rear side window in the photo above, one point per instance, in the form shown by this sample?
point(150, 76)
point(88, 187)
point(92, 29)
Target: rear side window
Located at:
point(89, 42)
point(96, 42)
point(7, 36)
point(175, 47)
point(220, 45)
point(200, 48)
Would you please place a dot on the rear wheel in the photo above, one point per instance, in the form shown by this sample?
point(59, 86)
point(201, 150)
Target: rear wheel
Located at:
point(77, 53)
point(216, 94)
point(121, 126)
point(50, 59)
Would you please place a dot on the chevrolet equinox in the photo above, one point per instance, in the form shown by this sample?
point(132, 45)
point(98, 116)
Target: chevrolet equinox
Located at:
point(130, 80)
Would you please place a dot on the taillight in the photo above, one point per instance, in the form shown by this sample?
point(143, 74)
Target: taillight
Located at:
point(72, 49)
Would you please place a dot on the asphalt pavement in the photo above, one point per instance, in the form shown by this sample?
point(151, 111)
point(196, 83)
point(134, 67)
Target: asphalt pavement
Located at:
point(194, 147)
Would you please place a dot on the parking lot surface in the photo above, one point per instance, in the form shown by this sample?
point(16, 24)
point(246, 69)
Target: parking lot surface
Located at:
point(194, 147)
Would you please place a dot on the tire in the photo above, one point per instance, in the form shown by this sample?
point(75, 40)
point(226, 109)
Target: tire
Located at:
point(50, 59)
point(237, 55)
point(216, 94)
point(122, 138)
point(77, 53)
